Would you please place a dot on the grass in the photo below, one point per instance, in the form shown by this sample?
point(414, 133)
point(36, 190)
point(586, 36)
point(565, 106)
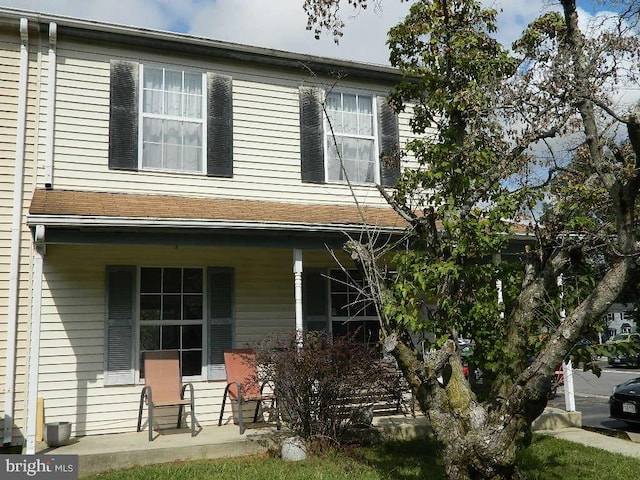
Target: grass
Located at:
point(546, 459)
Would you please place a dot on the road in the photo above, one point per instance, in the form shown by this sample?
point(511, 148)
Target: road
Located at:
point(592, 396)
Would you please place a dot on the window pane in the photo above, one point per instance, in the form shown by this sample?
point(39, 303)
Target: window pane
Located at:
point(192, 134)
point(192, 159)
point(152, 130)
point(173, 132)
point(150, 337)
point(349, 103)
point(191, 363)
point(152, 155)
point(171, 307)
point(192, 307)
point(150, 307)
point(365, 116)
point(152, 101)
point(150, 280)
point(193, 83)
point(170, 337)
point(192, 337)
point(365, 105)
point(192, 106)
point(173, 104)
point(335, 119)
point(172, 280)
point(192, 280)
point(334, 168)
point(173, 80)
point(350, 121)
point(333, 101)
point(172, 157)
point(339, 303)
point(153, 78)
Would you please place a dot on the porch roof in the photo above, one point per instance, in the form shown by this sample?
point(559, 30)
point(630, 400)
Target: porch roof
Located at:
point(73, 216)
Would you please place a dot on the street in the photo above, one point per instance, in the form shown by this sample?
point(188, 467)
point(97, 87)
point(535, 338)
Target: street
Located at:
point(592, 395)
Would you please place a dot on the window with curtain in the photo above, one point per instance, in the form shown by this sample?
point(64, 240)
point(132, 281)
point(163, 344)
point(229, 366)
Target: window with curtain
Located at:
point(350, 137)
point(172, 315)
point(173, 120)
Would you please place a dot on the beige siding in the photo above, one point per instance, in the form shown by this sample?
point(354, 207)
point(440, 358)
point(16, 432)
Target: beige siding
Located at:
point(72, 339)
point(266, 132)
point(9, 82)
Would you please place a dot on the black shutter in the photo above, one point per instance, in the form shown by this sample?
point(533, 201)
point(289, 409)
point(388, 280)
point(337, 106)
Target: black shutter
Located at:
point(315, 299)
point(389, 141)
point(220, 281)
point(119, 325)
point(219, 126)
point(311, 135)
point(123, 116)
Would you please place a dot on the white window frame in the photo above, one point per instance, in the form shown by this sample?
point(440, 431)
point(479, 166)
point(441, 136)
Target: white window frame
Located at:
point(202, 121)
point(328, 138)
point(203, 322)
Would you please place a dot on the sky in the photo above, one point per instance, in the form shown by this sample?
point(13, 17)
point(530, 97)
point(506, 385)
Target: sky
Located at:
point(278, 24)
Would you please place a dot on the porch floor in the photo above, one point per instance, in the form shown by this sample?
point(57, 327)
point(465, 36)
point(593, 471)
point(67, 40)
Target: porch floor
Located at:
point(100, 453)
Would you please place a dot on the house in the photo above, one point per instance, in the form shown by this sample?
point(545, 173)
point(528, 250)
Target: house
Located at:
point(163, 191)
point(620, 318)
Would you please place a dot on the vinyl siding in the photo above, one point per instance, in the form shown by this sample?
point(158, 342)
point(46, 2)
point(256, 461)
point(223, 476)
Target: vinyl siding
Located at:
point(72, 338)
point(266, 132)
point(9, 83)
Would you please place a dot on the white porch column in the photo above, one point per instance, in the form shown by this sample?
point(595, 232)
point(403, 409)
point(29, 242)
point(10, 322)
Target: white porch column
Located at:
point(34, 345)
point(567, 368)
point(297, 282)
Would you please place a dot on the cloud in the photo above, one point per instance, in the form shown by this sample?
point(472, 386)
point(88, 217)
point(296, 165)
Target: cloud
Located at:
point(278, 24)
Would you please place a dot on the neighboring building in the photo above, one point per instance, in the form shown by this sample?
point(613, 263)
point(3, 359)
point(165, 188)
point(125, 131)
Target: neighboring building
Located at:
point(620, 318)
point(162, 191)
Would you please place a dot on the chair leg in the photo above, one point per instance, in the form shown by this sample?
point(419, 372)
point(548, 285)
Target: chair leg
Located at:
point(150, 404)
point(193, 418)
point(255, 415)
point(140, 411)
point(240, 419)
point(224, 401)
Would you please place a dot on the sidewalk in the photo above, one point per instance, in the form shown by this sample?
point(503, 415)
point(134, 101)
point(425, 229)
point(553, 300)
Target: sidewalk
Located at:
point(598, 440)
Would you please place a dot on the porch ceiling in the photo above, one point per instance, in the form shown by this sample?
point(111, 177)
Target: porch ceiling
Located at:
point(105, 217)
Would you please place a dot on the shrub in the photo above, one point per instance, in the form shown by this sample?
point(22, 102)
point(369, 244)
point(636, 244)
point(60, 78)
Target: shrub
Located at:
point(326, 385)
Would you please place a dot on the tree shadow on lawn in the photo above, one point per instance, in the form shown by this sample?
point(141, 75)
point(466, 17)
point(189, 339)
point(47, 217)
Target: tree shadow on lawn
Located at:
point(403, 460)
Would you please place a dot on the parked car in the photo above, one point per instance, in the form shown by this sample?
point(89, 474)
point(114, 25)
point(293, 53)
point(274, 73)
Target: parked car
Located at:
point(624, 403)
point(631, 359)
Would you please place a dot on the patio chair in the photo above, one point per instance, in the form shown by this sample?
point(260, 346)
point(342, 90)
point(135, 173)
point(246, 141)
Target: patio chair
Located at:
point(242, 385)
point(163, 388)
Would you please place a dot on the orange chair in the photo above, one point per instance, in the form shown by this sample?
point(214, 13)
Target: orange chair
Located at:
point(242, 385)
point(163, 387)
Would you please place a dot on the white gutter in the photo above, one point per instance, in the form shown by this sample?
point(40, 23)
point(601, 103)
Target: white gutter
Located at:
point(16, 233)
point(184, 223)
point(51, 105)
point(34, 345)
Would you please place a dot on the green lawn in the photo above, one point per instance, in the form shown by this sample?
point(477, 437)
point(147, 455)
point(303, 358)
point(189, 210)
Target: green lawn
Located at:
point(546, 459)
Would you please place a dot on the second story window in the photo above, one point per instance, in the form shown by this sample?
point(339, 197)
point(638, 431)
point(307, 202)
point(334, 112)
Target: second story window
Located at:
point(170, 119)
point(173, 123)
point(345, 135)
point(350, 138)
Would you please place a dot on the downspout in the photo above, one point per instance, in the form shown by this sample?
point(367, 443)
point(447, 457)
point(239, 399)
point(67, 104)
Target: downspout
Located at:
point(39, 252)
point(16, 234)
point(51, 105)
point(38, 255)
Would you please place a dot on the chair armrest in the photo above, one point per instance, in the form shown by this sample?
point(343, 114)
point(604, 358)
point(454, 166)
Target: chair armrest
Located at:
point(184, 387)
point(147, 392)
